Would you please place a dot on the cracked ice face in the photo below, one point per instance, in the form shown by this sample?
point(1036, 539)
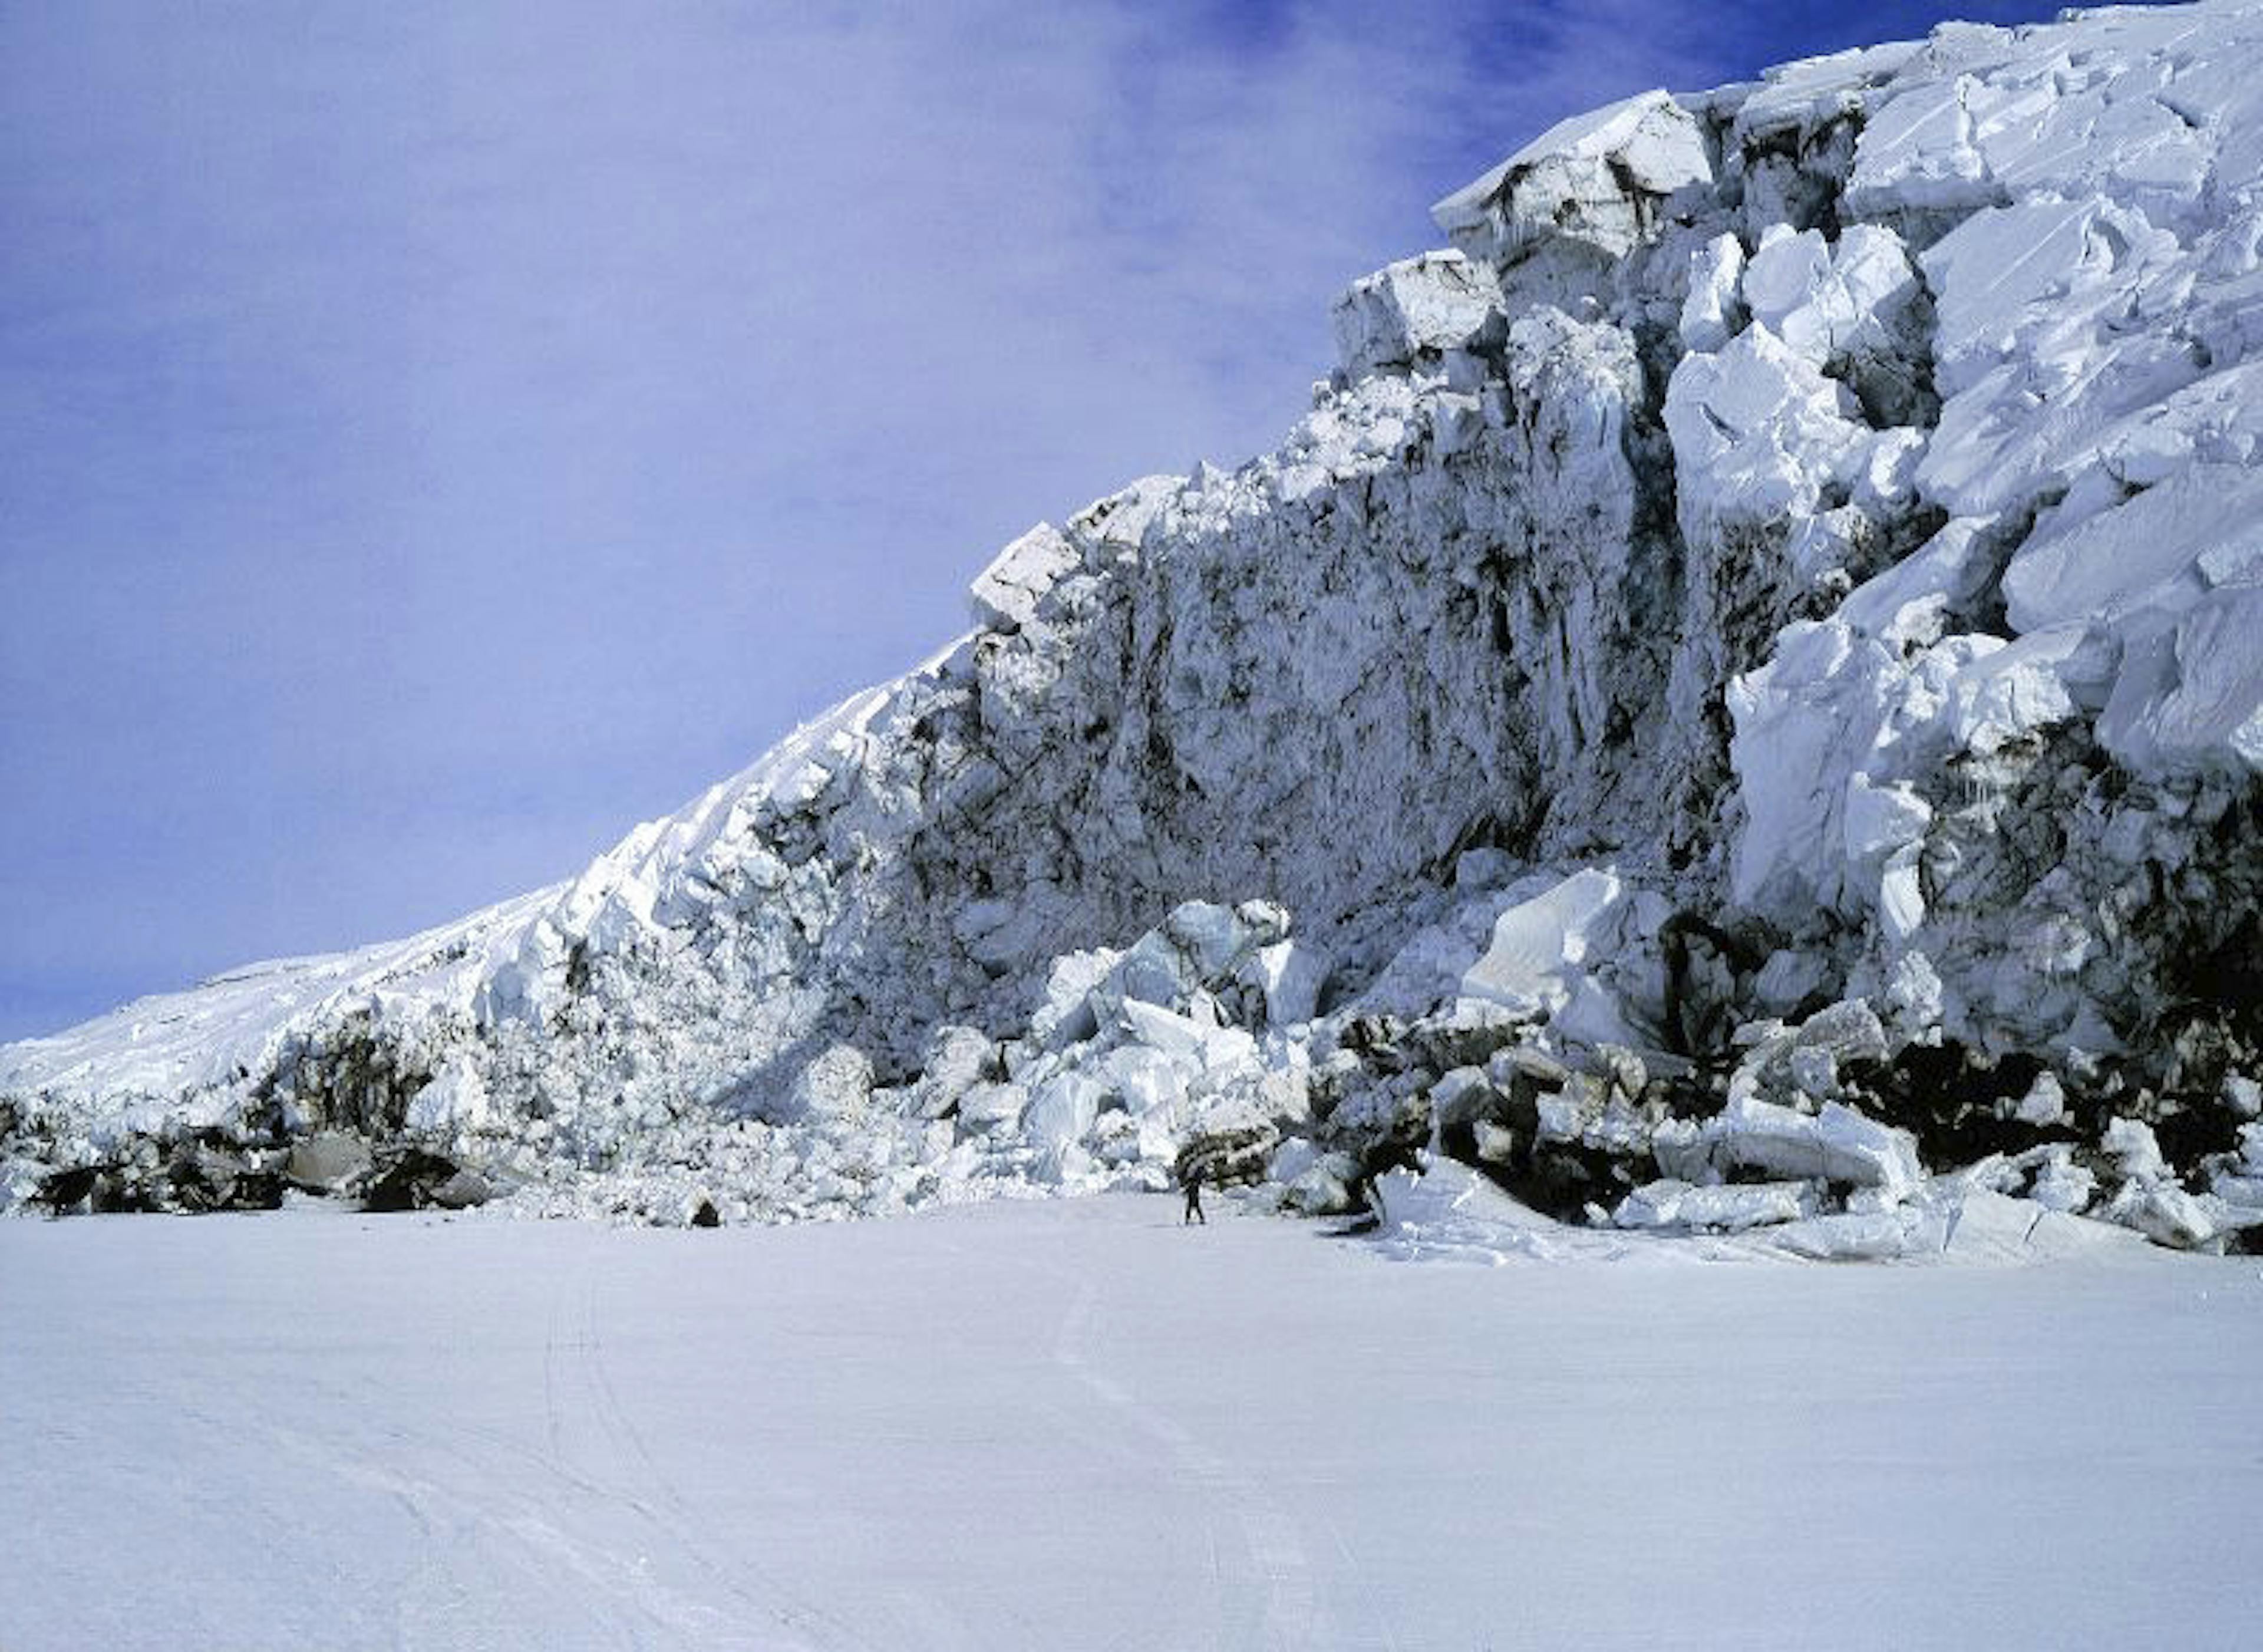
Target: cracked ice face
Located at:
point(1823, 510)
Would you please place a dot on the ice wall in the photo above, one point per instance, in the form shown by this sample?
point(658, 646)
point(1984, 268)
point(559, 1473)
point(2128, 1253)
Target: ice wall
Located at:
point(1824, 506)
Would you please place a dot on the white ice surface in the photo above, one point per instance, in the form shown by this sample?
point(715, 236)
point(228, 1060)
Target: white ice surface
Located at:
point(1077, 1424)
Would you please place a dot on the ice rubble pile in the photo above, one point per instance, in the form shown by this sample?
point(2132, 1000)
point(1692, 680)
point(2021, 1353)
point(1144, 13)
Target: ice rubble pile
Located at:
point(1737, 709)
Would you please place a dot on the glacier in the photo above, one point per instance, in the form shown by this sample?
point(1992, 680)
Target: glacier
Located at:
point(1735, 710)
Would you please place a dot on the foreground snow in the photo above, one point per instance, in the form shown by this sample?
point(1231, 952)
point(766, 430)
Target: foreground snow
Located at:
point(1072, 1424)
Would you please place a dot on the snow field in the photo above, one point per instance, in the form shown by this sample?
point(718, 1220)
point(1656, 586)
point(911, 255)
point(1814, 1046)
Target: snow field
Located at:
point(1072, 1424)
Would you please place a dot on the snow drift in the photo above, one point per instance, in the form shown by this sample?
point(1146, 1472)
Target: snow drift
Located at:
point(1739, 699)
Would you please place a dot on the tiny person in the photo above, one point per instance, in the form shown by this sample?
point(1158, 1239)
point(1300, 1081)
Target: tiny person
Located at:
point(1193, 1212)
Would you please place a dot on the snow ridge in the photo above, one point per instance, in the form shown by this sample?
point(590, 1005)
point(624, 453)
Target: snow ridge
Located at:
point(1743, 671)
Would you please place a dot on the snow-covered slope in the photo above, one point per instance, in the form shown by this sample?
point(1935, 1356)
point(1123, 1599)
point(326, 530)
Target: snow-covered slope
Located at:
point(1739, 695)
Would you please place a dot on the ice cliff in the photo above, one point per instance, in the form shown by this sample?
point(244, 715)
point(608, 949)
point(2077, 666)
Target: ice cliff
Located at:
point(1739, 705)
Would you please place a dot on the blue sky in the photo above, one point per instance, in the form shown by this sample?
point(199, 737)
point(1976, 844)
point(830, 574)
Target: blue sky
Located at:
point(434, 437)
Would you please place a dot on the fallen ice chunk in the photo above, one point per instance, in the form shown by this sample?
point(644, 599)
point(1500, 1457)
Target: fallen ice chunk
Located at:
point(1540, 947)
point(1727, 1208)
point(326, 1160)
point(1291, 1159)
point(2136, 1154)
point(1857, 1235)
point(2045, 1104)
point(1066, 1016)
point(2164, 1212)
point(2244, 1096)
point(1324, 1188)
point(1148, 1081)
point(1461, 1096)
point(1206, 1043)
point(836, 1086)
point(1215, 938)
point(1290, 974)
point(1062, 1111)
point(1838, 1145)
point(989, 1107)
point(2062, 1184)
point(958, 1058)
point(1986, 1226)
point(1849, 1031)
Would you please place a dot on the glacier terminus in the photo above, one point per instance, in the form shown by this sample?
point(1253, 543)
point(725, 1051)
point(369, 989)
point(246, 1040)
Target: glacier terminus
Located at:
point(1736, 714)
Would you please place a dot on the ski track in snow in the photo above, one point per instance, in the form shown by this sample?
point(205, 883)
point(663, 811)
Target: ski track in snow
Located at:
point(1039, 1425)
point(588, 1512)
point(1271, 1540)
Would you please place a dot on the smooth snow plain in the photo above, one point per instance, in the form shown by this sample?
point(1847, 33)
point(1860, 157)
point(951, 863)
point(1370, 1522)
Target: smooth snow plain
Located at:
point(1074, 1423)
